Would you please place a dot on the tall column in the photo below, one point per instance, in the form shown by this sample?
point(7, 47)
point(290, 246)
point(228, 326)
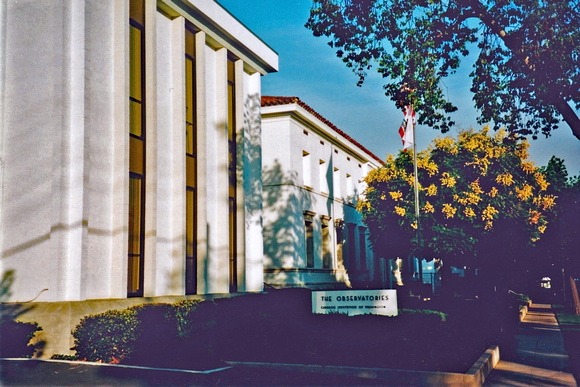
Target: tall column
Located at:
point(219, 259)
point(253, 266)
point(243, 146)
point(201, 77)
point(2, 122)
point(169, 271)
point(120, 163)
point(68, 230)
point(151, 147)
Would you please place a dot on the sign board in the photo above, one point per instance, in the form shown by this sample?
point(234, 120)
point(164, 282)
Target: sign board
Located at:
point(353, 302)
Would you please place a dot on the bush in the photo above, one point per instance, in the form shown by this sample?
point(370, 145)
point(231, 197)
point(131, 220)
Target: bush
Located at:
point(441, 315)
point(106, 337)
point(134, 335)
point(15, 338)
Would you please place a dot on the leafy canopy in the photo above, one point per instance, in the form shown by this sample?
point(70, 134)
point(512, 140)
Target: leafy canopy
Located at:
point(469, 188)
point(527, 71)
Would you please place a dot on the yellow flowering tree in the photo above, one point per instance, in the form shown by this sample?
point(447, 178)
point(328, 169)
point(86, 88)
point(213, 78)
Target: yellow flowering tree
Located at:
point(474, 190)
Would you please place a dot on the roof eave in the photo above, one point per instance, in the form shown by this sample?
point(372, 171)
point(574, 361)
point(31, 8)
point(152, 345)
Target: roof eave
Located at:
point(227, 31)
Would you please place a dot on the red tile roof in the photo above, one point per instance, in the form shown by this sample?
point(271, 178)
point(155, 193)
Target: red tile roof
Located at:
point(275, 101)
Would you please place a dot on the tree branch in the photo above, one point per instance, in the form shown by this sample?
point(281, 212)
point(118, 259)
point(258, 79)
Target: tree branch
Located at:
point(569, 116)
point(514, 45)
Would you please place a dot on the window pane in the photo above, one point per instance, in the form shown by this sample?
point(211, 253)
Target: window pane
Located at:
point(339, 245)
point(362, 248)
point(135, 118)
point(233, 245)
point(135, 63)
point(231, 129)
point(309, 244)
point(190, 179)
point(306, 169)
point(190, 223)
point(326, 252)
point(133, 274)
point(135, 215)
point(231, 70)
point(350, 259)
point(189, 43)
point(137, 11)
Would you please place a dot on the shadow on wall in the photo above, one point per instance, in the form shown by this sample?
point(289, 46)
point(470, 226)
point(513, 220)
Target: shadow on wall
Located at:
point(362, 275)
point(249, 158)
point(284, 204)
point(15, 336)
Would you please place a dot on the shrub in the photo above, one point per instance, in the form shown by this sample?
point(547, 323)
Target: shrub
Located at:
point(106, 337)
point(60, 356)
point(442, 316)
point(156, 334)
point(183, 312)
point(136, 334)
point(15, 338)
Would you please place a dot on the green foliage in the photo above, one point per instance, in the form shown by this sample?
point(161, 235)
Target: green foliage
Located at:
point(475, 193)
point(561, 243)
point(60, 356)
point(106, 337)
point(183, 315)
point(442, 316)
point(279, 327)
point(126, 334)
point(526, 71)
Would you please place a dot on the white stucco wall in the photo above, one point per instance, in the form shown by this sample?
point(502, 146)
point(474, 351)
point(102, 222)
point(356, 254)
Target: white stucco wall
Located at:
point(289, 130)
point(64, 148)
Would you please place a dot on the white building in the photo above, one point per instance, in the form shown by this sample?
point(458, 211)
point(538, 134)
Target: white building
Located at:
point(312, 177)
point(130, 149)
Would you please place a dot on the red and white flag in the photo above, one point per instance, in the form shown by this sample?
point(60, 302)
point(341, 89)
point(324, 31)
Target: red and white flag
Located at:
point(406, 129)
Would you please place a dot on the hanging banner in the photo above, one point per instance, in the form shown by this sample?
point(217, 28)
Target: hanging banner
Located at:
point(353, 302)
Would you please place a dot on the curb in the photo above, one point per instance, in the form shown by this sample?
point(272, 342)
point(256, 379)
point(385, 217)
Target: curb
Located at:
point(475, 376)
point(125, 366)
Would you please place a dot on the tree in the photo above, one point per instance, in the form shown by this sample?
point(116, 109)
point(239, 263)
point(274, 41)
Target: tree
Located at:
point(482, 202)
point(527, 72)
point(561, 243)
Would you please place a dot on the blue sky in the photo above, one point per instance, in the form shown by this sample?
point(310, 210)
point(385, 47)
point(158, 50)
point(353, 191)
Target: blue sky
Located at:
point(310, 70)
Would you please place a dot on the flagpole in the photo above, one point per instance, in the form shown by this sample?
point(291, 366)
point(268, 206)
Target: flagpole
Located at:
point(416, 176)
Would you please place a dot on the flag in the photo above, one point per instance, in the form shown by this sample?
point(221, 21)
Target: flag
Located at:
point(406, 129)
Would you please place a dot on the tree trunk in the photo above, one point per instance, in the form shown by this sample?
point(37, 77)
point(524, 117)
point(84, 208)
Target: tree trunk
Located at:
point(569, 116)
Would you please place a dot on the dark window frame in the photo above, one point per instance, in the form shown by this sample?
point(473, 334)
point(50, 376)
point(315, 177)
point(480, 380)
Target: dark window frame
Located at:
point(139, 291)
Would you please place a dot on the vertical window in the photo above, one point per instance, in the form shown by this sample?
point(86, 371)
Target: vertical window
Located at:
point(349, 186)
point(322, 175)
point(326, 250)
point(136, 148)
point(232, 174)
point(362, 246)
point(309, 232)
point(336, 183)
point(190, 166)
point(306, 169)
point(339, 227)
point(351, 257)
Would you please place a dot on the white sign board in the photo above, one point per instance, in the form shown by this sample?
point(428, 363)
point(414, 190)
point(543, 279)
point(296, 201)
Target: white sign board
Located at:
point(353, 302)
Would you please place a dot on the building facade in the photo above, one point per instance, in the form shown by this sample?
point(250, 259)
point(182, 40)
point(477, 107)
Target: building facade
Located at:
point(130, 149)
point(312, 177)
